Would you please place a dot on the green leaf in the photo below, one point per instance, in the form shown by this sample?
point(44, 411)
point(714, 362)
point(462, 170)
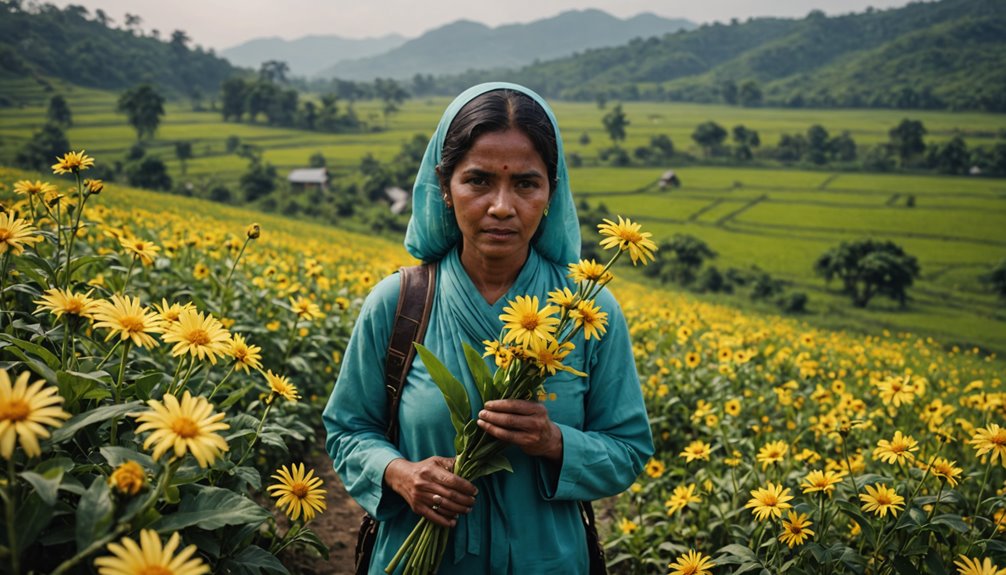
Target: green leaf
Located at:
point(498, 462)
point(453, 391)
point(33, 348)
point(91, 417)
point(94, 513)
point(211, 508)
point(146, 383)
point(45, 485)
point(480, 372)
point(952, 521)
point(80, 262)
point(236, 396)
point(74, 385)
point(934, 563)
point(32, 517)
point(38, 367)
point(117, 455)
point(739, 551)
point(904, 566)
point(309, 537)
point(253, 560)
point(854, 513)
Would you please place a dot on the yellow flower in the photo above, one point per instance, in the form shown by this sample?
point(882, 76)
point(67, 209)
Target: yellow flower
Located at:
point(549, 355)
point(501, 353)
point(169, 312)
point(280, 386)
point(15, 233)
point(991, 440)
point(123, 316)
point(897, 450)
point(59, 302)
point(732, 407)
point(692, 563)
point(24, 411)
point(198, 335)
point(298, 493)
point(681, 497)
point(818, 481)
point(772, 452)
point(525, 324)
point(697, 449)
point(967, 566)
point(794, 529)
point(30, 188)
point(245, 356)
point(129, 478)
point(654, 468)
point(591, 318)
point(897, 390)
point(946, 470)
point(200, 271)
point(189, 426)
point(253, 231)
point(143, 249)
point(306, 309)
point(150, 557)
point(881, 499)
point(563, 298)
point(585, 270)
point(626, 236)
point(72, 163)
point(627, 526)
point(692, 359)
point(94, 186)
point(769, 501)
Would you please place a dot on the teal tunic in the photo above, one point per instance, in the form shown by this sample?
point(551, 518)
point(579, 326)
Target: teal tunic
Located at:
point(524, 522)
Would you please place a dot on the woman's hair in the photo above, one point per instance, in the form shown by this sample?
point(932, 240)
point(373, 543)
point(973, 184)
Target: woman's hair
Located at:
point(497, 111)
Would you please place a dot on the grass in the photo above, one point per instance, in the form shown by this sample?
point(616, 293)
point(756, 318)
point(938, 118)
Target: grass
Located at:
point(780, 220)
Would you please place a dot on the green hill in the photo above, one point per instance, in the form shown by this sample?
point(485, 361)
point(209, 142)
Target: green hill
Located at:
point(71, 44)
point(947, 54)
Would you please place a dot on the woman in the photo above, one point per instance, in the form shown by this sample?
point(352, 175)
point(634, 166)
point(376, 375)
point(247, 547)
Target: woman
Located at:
point(492, 205)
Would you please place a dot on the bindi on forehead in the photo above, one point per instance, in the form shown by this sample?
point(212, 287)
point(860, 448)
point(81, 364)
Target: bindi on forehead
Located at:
point(505, 167)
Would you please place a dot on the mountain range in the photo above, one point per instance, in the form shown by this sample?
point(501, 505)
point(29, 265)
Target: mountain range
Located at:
point(466, 45)
point(308, 55)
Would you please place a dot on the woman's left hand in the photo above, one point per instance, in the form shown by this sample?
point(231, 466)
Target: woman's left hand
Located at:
point(523, 423)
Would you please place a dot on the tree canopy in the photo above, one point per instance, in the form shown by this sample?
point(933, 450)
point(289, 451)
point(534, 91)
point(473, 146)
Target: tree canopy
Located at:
point(868, 268)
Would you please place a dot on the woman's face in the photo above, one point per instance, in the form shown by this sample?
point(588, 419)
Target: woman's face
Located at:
point(499, 191)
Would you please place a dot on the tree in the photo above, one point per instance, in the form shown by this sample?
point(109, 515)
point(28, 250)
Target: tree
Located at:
point(43, 146)
point(179, 42)
point(729, 92)
point(59, 112)
point(680, 260)
point(843, 147)
point(868, 268)
point(183, 151)
point(710, 136)
point(149, 172)
point(391, 94)
point(744, 140)
point(144, 108)
point(953, 157)
point(615, 122)
point(662, 146)
point(906, 139)
point(996, 279)
point(817, 144)
point(274, 71)
point(259, 180)
point(749, 95)
point(234, 92)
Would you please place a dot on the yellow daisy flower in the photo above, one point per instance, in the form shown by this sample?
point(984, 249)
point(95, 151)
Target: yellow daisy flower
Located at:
point(627, 526)
point(697, 449)
point(169, 312)
point(24, 410)
point(253, 231)
point(589, 270)
point(692, 563)
point(681, 497)
point(502, 354)
point(626, 236)
point(897, 450)
point(143, 249)
point(94, 186)
point(280, 386)
point(990, 440)
point(525, 324)
point(30, 188)
point(692, 359)
point(246, 356)
point(655, 468)
point(563, 298)
point(795, 529)
point(897, 390)
point(732, 407)
point(298, 493)
point(306, 309)
point(772, 452)
point(188, 426)
point(968, 566)
point(201, 336)
point(150, 557)
point(128, 478)
point(15, 233)
point(124, 317)
point(591, 318)
point(946, 470)
point(818, 481)
point(72, 163)
point(769, 501)
point(59, 302)
point(881, 499)
point(549, 355)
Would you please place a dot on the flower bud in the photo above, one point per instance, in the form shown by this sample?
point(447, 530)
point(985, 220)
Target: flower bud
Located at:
point(128, 478)
point(253, 231)
point(94, 186)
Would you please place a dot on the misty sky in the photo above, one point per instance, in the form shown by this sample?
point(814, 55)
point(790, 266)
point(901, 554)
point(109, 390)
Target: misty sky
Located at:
point(224, 23)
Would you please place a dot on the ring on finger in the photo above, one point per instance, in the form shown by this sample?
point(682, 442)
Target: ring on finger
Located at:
point(437, 500)
point(436, 507)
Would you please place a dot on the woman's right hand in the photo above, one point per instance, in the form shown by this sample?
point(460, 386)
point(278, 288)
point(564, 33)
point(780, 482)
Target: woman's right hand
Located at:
point(431, 489)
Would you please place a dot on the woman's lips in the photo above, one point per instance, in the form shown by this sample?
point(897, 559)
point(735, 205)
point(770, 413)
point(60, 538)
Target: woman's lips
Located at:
point(500, 233)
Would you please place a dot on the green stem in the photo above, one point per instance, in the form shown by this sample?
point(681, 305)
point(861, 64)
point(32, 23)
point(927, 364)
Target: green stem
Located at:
point(73, 230)
point(15, 557)
point(258, 432)
point(129, 273)
point(3, 288)
point(406, 545)
point(981, 490)
point(289, 341)
point(222, 381)
point(227, 282)
point(66, 337)
point(117, 391)
point(185, 379)
point(108, 355)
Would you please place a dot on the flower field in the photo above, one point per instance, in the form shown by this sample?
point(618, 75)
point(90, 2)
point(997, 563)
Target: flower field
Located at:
point(164, 362)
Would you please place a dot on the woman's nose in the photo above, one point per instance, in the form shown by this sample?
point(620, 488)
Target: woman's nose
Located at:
point(502, 202)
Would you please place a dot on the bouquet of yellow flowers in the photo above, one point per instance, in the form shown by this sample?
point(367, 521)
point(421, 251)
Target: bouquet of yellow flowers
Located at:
point(532, 346)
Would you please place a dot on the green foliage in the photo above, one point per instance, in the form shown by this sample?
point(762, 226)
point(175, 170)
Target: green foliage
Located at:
point(615, 122)
point(867, 268)
point(148, 172)
point(710, 136)
point(42, 148)
point(144, 108)
point(59, 112)
point(995, 279)
point(680, 259)
point(907, 140)
point(259, 180)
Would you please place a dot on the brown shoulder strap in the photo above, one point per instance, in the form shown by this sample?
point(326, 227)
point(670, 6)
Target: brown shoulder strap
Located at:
point(415, 300)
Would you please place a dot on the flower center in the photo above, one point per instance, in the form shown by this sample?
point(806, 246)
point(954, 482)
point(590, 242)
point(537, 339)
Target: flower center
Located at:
point(185, 427)
point(883, 499)
point(16, 410)
point(795, 529)
point(199, 337)
point(5, 234)
point(299, 490)
point(770, 501)
point(132, 323)
point(529, 321)
point(155, 570)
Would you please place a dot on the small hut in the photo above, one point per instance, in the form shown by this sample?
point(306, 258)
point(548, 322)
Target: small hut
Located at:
point(308, 178)
point(669, 179)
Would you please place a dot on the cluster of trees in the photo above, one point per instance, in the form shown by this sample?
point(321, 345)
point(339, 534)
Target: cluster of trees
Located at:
point(272, 95)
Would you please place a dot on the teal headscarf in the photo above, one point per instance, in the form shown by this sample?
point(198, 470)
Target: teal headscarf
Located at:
point(433, 230)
